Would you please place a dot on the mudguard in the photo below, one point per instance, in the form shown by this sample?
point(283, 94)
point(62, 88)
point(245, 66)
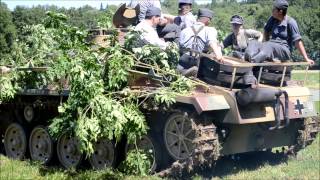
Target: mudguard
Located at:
point(204, 102)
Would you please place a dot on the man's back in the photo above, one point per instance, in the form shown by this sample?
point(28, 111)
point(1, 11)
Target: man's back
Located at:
point(197, 37)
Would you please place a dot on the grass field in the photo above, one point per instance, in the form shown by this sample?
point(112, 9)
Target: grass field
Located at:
point(313, 78)
point(264, 165)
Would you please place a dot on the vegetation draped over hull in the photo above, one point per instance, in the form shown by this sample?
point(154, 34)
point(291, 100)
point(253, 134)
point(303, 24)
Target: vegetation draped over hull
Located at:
point(100, 105)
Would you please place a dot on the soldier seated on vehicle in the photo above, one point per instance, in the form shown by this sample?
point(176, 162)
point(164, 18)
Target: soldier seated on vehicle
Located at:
point(165, 29)
point(147, 26)
point(284, 33)
point(240, 37)
point(185, 18)
point(198, 37)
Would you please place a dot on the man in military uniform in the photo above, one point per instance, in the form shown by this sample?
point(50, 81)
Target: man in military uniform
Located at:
point(240, 37)
point(198, 37)
point(147, 27)
point(284, 33)
point(185, 18)
point(165, 30)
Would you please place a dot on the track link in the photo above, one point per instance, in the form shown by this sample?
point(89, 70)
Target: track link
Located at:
point(206, 152)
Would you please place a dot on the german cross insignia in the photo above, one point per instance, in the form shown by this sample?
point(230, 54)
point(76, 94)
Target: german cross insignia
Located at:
point(299, 106)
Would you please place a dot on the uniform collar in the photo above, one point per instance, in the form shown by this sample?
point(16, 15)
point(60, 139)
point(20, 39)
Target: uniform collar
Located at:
point(199, 23)
point(284, 22)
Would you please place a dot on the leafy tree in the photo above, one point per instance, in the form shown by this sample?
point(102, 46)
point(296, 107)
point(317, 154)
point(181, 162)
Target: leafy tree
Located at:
point(7, 31)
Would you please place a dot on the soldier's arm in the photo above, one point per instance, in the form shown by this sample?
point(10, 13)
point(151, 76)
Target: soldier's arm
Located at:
point(296, 38)
point(217, 51)
point(266, 36)
point(268, 29)
point(299, 45)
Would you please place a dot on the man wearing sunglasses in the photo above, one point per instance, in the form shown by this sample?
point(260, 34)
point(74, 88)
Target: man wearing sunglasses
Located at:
point(240, 37)
point(280, 33)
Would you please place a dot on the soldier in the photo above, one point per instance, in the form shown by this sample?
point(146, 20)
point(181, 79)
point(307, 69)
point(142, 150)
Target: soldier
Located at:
point(198, 37)
point(147, 28)
point(240, 37)
point(144, 5)
point(165, 30)
point(284, 33)
point(185, 17)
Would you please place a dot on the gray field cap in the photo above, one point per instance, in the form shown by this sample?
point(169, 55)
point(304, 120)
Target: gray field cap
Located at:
point(203, 12)
point(153, 11)
point(236, 19)
point(281, 4)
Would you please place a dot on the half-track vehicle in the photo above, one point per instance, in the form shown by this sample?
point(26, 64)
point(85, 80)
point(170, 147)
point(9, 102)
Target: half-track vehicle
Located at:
point(222, 116)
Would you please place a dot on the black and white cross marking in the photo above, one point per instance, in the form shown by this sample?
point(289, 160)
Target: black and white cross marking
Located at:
point(299, 106)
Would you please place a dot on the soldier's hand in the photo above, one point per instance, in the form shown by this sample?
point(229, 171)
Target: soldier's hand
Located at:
point(221, 59)
point(310, 61)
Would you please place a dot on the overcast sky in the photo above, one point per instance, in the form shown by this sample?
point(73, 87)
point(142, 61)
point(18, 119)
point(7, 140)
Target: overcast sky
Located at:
point(70, 3)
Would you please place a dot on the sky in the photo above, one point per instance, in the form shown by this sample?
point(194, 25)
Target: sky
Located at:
point(70, 3)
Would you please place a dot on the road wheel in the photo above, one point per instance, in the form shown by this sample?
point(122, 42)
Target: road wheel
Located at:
point(15, 141)
point(68, 151)
point(103, 155)
point(151, 147)
point(40, 145)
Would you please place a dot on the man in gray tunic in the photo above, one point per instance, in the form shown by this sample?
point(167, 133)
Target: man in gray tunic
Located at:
point(240, 37)
point(284, 33)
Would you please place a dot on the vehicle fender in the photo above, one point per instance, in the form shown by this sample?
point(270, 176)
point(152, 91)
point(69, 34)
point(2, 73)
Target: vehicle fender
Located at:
point(204, 102)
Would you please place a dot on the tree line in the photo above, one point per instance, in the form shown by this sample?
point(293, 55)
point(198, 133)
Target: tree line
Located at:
point(255, 13)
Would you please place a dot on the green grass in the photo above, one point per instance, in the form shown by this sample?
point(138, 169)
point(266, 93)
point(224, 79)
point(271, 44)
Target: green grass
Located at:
point(305, 166)
point(16, 170)
point(313, 78)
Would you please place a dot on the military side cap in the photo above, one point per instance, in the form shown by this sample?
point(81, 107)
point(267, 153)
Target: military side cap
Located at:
point(185, 1)
point(205, 13)
point(281, 4)
point(153, 11)
point(236, 19)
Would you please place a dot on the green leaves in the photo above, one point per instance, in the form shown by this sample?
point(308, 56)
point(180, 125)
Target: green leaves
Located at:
point(100, 103)
point(7, 88)
point(137, 163)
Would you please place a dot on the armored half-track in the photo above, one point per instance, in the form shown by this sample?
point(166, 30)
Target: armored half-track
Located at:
point(221, 116)
point(236, 107)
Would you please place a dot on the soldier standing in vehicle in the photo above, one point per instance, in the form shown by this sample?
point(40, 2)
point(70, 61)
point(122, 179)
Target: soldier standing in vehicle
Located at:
point(284, 32)
point(185, 18)
point(198, 37)
point(240, 37)
point(147, 27)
